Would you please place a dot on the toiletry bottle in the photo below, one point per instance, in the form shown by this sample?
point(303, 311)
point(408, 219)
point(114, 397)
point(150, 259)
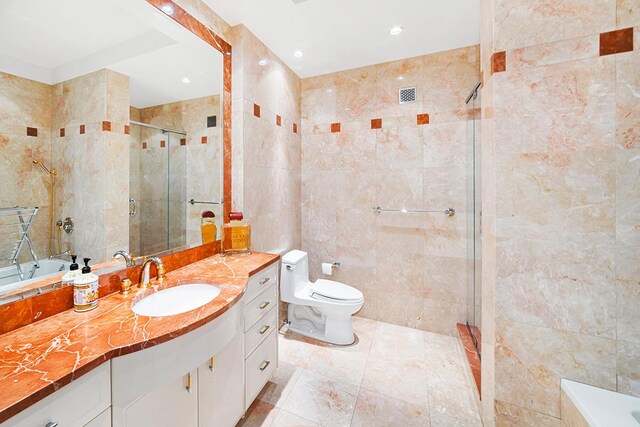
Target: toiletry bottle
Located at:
point(208, 227)
point(237, 235)
point(85, 289)
point(70, 276)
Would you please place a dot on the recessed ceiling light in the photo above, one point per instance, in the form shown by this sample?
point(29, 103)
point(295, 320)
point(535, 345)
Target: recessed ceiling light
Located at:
point(395, 30)
point(262, 62)
point(298, 53)
point(186, 80)
point(400, 78)
point(167, 8)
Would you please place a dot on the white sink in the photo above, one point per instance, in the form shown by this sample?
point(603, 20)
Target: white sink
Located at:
point(176, 300)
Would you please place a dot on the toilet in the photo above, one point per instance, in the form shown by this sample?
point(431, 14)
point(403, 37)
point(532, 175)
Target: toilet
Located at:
point(320, 309)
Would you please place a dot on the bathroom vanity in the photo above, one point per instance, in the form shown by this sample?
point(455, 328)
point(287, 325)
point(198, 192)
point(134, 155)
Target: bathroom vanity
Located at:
point(203, 367)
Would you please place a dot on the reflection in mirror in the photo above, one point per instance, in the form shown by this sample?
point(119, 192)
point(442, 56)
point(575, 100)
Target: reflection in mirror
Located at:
point(105, 135)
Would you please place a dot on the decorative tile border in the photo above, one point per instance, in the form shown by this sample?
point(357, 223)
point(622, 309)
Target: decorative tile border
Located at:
point(295, 128)
point(256, 110)
point(82, 129)
point(32, 131)
point(422, 119)
point(498, 62)
point(335, 127)
point(618, 41)
point(106, 126)
point(278, 120)
point(376, 123)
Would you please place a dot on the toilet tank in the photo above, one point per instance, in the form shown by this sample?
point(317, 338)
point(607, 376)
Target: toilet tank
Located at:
point(294, 274)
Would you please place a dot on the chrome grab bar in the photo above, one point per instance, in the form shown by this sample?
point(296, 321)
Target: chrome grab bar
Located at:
point(194, 202)
point(447, 212)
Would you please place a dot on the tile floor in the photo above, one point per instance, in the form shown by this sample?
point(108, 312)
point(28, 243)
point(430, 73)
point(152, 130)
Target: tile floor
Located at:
point(394, 376)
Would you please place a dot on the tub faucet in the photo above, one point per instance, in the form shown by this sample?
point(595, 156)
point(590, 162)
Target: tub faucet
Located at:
point(144, 273)
point(128, 259)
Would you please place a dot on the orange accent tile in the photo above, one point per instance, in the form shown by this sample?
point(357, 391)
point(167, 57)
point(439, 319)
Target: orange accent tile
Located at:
point(163, 144)
point(471, 353)
point(32, 131)
point(376, 123)
point(423, 119)
point(106, 126)
point(82, 129)
point(183, 141)
point(203, 140)
point(256, 110)
point(278, 120)
point(295, 128)
point(61, 132)
point(127, 129)
point(144, 145)
point(498, 62)
point(335, 127)
point(618, 41)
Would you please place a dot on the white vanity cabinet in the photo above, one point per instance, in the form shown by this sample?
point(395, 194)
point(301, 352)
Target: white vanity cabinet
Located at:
point(76, 404)
point(260, 336)
point(207, 377)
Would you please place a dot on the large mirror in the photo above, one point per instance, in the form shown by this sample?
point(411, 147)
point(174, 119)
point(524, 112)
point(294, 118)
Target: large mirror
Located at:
point(110, 134)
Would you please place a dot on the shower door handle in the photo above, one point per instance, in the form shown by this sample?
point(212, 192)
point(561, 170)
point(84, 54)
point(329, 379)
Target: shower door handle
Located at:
point(132, 207)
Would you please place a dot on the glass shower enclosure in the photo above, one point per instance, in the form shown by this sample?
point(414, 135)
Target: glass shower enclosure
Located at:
point(157, 186)
point(474, 218)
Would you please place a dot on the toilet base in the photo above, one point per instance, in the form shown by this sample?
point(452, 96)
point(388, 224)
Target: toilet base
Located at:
point(311, 322)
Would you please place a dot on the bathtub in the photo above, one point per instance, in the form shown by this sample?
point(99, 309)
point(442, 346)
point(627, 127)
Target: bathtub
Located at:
point(585, 405)
point(48, 268)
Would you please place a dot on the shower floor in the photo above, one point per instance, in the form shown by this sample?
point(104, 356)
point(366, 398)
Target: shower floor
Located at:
point(393, 376)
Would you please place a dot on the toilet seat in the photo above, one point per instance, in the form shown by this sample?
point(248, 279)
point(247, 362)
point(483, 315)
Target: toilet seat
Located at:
point(330, 291)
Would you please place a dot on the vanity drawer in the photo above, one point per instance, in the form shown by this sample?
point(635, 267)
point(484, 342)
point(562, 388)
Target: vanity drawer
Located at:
point(261, 281)
point(75, 404)
point(259, 306)
point(259, 331)
point(259, 367)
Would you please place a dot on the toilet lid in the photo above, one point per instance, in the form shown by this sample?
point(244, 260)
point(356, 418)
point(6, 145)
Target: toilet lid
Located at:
point(335, 290)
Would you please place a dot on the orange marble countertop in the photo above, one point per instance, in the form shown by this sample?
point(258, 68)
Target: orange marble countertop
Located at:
point(38, 359)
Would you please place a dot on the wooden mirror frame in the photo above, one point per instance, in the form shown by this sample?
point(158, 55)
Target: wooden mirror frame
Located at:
point(182, 17)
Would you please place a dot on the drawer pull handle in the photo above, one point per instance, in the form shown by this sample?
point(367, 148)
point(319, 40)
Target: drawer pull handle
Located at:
point(189, 382)
point(52, 424)
point(212, 363)
point(264, 329)
point(264, 305)
point(265, 280)
point(264, 365)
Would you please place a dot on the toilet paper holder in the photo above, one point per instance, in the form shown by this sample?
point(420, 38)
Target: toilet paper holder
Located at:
point(327, 268)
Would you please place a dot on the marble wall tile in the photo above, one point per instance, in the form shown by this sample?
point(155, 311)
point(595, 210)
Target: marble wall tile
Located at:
point(400, 165)
point(511, 416)
point(628, 13)
point(628, 374)
point(540, 357)
point(523, 23)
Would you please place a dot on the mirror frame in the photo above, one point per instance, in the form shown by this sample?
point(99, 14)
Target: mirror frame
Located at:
point(189, 22)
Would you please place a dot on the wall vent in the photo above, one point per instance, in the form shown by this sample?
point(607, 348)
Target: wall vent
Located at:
point(407, 94)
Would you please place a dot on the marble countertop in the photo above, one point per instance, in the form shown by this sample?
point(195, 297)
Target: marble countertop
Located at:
point(38, 359)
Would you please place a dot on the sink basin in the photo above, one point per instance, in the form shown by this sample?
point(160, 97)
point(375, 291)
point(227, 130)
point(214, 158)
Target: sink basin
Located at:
point(176, 300)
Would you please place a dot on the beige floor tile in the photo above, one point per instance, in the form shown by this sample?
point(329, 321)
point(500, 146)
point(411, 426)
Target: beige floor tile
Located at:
point(401, 379)
point(440, 420)
point(287, 419)
point(375, 409)
point(322, 400)
point(279, 387)
point(392, 342)
point(294, 350)
point(344, 365)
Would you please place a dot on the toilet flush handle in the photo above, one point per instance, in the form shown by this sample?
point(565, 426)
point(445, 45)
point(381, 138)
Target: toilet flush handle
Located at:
point(289, 268)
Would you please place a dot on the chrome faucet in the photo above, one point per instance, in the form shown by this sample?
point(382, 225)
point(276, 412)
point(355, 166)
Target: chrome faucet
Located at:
point(144, 273)
point(127, 257)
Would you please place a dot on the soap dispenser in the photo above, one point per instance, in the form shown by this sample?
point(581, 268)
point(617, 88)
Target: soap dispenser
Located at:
point(85, 289)
point(70, 276)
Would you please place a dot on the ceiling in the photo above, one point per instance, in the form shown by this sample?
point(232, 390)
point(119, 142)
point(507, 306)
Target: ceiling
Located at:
point(56, 41)
point(337, 35)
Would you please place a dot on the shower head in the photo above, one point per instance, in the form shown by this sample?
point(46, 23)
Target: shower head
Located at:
point(50, 172)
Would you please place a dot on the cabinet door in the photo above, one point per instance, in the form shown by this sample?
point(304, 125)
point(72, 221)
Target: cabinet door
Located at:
point(221, 387)
point(102, 420)
point(175, 404)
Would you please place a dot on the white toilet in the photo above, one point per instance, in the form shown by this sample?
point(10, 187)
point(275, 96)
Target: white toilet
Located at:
point(320, 309)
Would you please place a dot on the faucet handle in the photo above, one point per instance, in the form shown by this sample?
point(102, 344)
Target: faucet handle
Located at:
point(161, 274)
